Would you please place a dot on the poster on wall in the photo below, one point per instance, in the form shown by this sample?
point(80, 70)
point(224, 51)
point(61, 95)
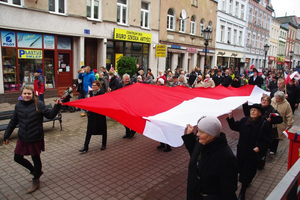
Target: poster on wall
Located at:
point(29, 40)
point(49, 41)
point(8, 38)
point(63, 43)
point(117, 58)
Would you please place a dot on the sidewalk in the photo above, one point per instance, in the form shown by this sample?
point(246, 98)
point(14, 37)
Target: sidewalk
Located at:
point(127, 169)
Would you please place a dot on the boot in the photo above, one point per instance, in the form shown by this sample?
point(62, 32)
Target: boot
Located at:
point(35, 185)
point(84, 149)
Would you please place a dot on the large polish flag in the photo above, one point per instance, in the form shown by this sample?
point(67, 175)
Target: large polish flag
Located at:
point(162, 113)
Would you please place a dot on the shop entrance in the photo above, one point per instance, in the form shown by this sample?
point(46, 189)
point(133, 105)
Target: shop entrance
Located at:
point(64, 70)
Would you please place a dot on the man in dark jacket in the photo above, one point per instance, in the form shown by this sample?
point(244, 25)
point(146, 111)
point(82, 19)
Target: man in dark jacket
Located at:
point(255, 79)
point(192, 77)
point(227, 79)
point(213, 168)
point(273, 83)
point(293, 94)
point(218, 78)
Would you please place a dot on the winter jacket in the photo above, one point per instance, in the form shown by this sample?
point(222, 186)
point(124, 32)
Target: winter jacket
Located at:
point(38, 85)
point(30, 122)
point(217, 171)
point(286, 112)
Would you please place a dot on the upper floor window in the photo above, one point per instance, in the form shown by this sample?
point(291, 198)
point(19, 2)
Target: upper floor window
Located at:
point(242, 11)
point(237, 5)
point(255, 17)
point(145, 13)
point(170, 19)
point(222, 33)
point(240, 38)
point(182, 24)
point(122, 9)
point(57, 6)
point(229, 35)
point(194, 3)
point(234, 37)
point(250, 14)
point(230, 6)
point(210, 26)
point(193, 25)
point(93, 9)
point(248, 38)
point(202, 27)
point(224, 5)
point(13, 2)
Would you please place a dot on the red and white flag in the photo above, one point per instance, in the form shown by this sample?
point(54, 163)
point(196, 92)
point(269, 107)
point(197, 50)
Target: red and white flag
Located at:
point(162, 113)
point(252, 66)
point(295, 75)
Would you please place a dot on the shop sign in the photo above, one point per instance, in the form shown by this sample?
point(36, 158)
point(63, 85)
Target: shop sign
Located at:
point(160, 50)
point(280, 59)
point(64, 43)
point(279, 63)
point(30, 54)
point(272, 58)
point(8, 38)
point(49, 41)
point(175, 47)
point(118, 56)
point(29, 40)
point(206, 51)
point(191, 50)
point(132, 36)
point(87, 31)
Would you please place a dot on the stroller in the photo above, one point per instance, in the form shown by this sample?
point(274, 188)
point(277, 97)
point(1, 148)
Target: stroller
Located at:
point(67, 95)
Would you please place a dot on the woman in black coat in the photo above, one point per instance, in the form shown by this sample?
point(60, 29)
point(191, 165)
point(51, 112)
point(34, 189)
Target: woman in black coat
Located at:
point(29, 114)
point(213, 169)
point(255, 138)
point(96, 122)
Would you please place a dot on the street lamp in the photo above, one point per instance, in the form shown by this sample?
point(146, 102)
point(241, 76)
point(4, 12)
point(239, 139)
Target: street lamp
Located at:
point(291, 57)
point(207, 34)
point(266, 48)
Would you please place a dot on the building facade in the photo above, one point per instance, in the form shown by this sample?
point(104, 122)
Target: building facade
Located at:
point(274, 42)
point(181, 29)
point(60, 36)
point(258, 32)
point(231, 28)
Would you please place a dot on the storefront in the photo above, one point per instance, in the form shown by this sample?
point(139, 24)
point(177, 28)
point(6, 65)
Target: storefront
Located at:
point(272, 62)
point(23, 53)
point(128, 43)
point(229, 59)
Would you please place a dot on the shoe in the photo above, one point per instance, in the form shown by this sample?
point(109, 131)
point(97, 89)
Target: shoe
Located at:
point(102, 148)
point(272, 153)
point(83, 114)
point(161, 147)
point(167, 150)
point(131, 135)
point(84, 149)
point(35, 185)
point(126, 136)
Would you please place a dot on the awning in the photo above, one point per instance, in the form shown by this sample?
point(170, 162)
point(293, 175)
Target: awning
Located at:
point(176, 50)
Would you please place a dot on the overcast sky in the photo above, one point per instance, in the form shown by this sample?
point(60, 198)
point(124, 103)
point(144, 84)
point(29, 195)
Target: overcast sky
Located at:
point(292, 7)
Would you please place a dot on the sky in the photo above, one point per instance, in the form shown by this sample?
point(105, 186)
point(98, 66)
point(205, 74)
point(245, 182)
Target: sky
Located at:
point(292, 7)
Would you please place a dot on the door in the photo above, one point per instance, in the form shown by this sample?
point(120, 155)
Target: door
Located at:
point(64, 70)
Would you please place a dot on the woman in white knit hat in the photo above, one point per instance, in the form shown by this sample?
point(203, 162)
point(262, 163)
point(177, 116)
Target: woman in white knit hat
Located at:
point(213, 168)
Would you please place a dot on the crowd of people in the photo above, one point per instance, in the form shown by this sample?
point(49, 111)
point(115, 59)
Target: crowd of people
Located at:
point(260, 130)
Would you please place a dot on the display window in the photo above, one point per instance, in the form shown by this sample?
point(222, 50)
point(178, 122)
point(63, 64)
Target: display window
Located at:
point(9, 69)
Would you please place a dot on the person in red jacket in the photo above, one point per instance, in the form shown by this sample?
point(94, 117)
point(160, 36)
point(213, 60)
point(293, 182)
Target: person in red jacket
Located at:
point(39, 88)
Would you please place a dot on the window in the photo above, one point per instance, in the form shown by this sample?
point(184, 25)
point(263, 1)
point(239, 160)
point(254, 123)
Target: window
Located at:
point(170, 20)
point(234, 36)
point(242, 11)
point(210, 27)
point(222, 33)
point(248, 38)
point(240, 38)
point(229, 35)
point(224, 5)
point(194, 3)
point(237, 9)
point(255, 17)
point(95, 13)
point(145, 13)
point(258, 41)
point(254, 40)
point(193, 25)
point(182, 24)
point(57, 6)
point(260, 19)
point(230, 6)
point(202, 25)
point(250, 15)
point(13, 2)
point(122, 11)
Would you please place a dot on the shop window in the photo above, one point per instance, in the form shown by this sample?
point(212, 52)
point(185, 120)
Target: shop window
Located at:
point(119, 47)
point(122, 8)
point(9, 69)
point(93, 9)
point(145, 13)
point(110, 46)
point(27, 68)
point(171, 20)
point(136, 47)
point(128, 47)
point(49, 69)
point(13, 2)
point(193, 25)
point(57, 6)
